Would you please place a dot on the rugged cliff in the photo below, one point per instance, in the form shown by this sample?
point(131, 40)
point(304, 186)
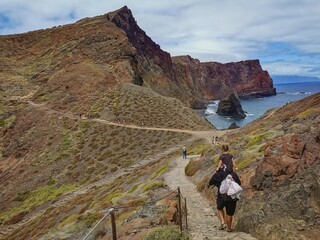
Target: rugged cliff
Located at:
point(216, 80)
point(186, 78)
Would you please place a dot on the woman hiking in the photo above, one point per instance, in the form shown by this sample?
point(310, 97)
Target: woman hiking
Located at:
point(225, 167)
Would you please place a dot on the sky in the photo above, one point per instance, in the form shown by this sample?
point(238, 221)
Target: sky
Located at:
point(283, 34)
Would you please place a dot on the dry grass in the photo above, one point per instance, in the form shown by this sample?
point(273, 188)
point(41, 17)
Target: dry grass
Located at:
point(143, 107)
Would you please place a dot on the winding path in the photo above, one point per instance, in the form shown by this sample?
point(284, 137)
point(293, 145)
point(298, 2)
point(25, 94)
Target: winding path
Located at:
point(203, 221)
point(200, 226)
point(206, 135)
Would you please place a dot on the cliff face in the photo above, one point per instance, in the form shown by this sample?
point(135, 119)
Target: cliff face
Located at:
point(186, 78)
point(216, 80)
point(149, 54)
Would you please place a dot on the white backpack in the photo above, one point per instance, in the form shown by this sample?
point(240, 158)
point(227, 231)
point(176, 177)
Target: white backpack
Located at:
point(230, 187)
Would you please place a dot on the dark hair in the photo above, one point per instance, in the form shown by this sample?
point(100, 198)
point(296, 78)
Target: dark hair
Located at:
point(225, 147)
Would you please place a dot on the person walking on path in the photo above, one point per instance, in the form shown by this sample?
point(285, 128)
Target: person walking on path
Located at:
point(184, 152)
point(225, 167)
point(226, 161)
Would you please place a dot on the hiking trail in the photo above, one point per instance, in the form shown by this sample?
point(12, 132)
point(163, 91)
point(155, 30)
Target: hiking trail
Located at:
point(203, 221)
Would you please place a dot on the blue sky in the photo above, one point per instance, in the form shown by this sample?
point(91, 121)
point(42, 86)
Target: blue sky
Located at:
point(283, 34)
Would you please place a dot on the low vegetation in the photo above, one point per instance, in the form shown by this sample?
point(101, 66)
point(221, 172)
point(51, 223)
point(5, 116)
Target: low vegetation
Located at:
point(30, 200)
point(192, 167)
point(198, 149)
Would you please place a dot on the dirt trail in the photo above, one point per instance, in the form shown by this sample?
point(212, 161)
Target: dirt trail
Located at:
point(203, 221)
point(206, 135)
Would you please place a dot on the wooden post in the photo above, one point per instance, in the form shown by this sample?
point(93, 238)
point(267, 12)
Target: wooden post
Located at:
point(113, 224)
point(180, 212)
point(185, 204)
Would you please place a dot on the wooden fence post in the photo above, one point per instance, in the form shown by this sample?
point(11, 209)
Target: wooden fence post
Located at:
point(180, 212)
point(113, 224)
point(185, 204)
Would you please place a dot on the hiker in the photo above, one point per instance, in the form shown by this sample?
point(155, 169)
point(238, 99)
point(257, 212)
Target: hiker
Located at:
point(226, 161)
point(214, 140)
point(225, 167)
point(184, 152)
point(223, 201)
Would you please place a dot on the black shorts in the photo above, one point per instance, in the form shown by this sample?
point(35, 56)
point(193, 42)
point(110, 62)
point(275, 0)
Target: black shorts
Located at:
point(230, 206)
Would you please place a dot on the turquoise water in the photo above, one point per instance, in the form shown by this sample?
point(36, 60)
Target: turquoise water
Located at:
point(258, 106)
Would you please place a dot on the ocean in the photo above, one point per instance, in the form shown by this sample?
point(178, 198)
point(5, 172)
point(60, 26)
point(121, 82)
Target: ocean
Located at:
point(255, 107)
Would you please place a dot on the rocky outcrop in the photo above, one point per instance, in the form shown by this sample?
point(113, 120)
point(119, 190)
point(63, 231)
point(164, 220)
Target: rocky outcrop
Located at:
point(149, 54)
point(230, 106)
point(152, 64)
point(286, 191)
point(212, 80)
point(233, 126)
point(186, 78)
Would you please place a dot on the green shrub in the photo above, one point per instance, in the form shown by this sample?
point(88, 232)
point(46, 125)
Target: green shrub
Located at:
point(192, 167)
point(153, 185)
point(160, 171)
point(257, 139)
point(199, 149)
point(305, 113)
point(30, 200)
point(6, 123)
point(166, 233)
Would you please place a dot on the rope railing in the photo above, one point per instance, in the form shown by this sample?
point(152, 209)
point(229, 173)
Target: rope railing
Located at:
point(100, 221)
point(182, 214)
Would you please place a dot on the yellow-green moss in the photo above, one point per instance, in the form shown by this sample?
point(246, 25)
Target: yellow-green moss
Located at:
point(160, 171)
point(305, 113)
point(257, 139)
point(153, 185)
point(88, 219)
point(97, 107)
point(199, 149)
point(36, 198)
point(6, 123)
point(115, 196)
point(247, 159)
point(134, 188)
point(69, 219)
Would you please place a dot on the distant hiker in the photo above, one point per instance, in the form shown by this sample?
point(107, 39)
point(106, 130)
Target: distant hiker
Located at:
point(214, 140)
point(226, 161)
point(184, 152)
point(225, 201)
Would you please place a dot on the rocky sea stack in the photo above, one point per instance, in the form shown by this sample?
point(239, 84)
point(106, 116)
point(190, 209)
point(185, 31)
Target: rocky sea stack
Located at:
point(230, 106)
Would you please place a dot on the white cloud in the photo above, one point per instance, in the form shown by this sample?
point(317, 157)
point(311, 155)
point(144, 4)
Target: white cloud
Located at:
point(291, 68)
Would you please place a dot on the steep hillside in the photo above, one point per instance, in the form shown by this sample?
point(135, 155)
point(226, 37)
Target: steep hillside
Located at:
point(278, 158)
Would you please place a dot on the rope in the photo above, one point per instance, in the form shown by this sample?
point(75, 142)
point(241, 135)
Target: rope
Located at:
point(109, 211)
point(124, 207)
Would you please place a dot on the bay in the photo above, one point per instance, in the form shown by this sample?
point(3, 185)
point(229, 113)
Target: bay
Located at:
point(256, 107)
